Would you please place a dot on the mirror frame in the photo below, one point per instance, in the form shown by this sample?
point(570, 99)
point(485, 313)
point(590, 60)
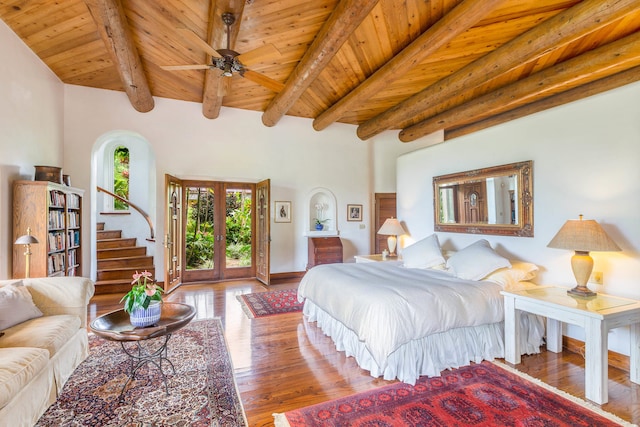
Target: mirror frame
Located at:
point(524, 174)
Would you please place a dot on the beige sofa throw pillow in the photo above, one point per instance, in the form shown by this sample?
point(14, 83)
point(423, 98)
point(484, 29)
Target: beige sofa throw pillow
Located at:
point(16, 305)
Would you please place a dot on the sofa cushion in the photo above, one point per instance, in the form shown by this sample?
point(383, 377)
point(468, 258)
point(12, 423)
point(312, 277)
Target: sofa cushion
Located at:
point(16, 305)
point(18, 366)
point(49, 333)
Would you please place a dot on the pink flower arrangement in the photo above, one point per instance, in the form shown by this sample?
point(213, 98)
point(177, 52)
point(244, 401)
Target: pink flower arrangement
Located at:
point(143, 291)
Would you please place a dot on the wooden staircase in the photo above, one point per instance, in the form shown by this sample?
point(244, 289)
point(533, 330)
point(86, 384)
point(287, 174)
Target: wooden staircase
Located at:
point(118, 259)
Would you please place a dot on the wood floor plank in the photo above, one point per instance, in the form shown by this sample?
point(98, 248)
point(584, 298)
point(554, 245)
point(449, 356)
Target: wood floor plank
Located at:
point(284, 362)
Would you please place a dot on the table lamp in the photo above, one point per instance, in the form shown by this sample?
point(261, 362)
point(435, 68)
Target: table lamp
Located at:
point(393, 228)
point(582, 236)
point(27, 240)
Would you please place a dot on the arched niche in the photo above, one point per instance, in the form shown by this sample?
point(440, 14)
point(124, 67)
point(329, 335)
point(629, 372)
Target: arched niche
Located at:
point(321, 204)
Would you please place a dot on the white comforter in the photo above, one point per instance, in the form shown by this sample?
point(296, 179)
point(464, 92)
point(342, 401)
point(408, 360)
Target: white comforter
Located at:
point(387, 305)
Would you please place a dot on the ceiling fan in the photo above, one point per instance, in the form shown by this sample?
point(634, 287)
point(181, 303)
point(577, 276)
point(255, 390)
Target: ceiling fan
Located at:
point(230, 61)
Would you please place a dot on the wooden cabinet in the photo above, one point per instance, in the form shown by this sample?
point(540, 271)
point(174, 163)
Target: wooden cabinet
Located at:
point(324, 250)
point(53, 212)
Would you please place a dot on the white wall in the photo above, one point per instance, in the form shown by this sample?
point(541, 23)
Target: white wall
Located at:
point(585, 158)
point(236, 146)
point(31, 126)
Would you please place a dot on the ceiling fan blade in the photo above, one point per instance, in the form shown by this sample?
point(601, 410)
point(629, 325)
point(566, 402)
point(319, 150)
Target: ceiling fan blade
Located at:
point(260, 54)
point(263, 80)
point(194, 39)
point(185, 67)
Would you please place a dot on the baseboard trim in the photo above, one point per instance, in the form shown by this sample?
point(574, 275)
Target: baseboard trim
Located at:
point(291, 276)
point(616, 360)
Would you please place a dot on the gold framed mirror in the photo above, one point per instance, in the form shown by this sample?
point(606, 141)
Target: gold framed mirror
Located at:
point(495, 200)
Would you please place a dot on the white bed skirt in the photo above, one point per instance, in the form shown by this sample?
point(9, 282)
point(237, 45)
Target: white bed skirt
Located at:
point(433, 354)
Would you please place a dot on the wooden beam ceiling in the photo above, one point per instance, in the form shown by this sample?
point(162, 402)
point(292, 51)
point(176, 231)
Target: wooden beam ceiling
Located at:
point(460, 19)
point(341, 24)
point(585, 17)
point(414, 66)
point(589, 66)
point(114, 30)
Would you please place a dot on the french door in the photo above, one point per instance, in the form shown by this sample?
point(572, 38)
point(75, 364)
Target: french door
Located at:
point(216, 230)
point(173, 233)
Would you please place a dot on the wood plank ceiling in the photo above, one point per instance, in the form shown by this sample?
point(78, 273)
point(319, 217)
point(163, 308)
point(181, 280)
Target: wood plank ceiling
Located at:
point(417, 66)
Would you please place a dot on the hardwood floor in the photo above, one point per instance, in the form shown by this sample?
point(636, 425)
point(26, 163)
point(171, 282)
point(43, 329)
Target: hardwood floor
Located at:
point(284, 362)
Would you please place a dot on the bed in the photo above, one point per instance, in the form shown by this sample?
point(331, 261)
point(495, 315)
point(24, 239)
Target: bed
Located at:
point(406, 319)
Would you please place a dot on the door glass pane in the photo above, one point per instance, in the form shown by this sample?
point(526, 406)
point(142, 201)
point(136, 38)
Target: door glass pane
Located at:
point(200, 236)
point(238, 228)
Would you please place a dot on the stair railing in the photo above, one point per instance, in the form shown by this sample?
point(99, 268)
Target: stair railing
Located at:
point(137, 208)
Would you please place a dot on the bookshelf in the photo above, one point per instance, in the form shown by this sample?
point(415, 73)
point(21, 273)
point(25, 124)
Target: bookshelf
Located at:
point(54, 214)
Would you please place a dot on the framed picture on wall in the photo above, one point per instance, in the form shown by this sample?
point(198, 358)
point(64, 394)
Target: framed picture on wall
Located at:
point(354, 212)
point(282, 212)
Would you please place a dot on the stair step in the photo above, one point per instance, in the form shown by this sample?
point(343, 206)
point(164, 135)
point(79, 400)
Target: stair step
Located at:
point(117, 286)
point(100, 226)
point(108, 234)
point(140, 262)
point(121, 252)
point(120, 273)
point(116, 243)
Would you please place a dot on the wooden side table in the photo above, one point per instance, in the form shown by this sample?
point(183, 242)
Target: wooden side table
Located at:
point(597, 315)
point(376, 258)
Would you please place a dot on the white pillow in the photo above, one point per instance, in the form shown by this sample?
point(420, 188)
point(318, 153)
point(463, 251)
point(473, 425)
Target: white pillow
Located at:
point(519, 272)
point(424, 253)
point(476, 261)
point(16, 305)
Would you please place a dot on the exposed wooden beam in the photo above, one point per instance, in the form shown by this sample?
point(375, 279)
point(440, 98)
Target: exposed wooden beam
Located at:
point(461, 18)
point(115, 32)
point(343, 21)
point(216, 86)
point(569, 25)
point(584, 91)
point(592, 65)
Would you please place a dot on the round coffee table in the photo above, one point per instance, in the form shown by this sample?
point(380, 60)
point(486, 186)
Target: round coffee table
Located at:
point(115, 326)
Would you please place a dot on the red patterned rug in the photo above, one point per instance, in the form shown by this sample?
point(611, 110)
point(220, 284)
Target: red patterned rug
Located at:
point(261, 304)
point(477, 395)
point(202, 392)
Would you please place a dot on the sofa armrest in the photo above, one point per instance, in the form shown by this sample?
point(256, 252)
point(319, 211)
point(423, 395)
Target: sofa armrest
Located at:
point(61, 295)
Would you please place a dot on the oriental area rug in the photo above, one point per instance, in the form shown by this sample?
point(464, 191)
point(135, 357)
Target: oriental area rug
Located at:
point(262, 304)
point(202, 392)
point(477, 395)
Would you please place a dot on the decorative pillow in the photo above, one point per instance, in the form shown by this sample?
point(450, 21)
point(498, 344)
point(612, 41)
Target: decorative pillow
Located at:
point(16, 305)
point(519, 272)
point(476, 261)
point(424, 253)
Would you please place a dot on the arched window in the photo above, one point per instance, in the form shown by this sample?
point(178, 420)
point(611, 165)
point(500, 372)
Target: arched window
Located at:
point(121, 177)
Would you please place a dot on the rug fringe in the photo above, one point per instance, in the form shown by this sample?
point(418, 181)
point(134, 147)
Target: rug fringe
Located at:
point(245, 307)
point(577, 400)
point(280, 420)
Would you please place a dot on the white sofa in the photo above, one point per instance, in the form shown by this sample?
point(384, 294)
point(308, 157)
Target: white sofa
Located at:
point(37, 356)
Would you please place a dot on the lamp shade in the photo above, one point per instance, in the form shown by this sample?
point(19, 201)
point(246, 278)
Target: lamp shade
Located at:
point(27, 239)
point(391, 227)
point(583, 235)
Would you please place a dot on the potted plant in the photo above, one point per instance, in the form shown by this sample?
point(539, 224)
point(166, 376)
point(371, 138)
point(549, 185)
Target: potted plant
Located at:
point(320, 223)
point(144, 301)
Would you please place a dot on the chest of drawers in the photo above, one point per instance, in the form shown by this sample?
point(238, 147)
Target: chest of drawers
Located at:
point(324, 250)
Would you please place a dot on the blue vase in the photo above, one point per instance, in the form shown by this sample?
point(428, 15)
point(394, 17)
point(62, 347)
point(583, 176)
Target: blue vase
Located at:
point(319, 226)
point(143, 317)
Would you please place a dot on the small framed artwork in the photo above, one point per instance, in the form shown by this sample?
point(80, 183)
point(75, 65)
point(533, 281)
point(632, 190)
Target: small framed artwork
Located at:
point(282, 212)
point(354, 212)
